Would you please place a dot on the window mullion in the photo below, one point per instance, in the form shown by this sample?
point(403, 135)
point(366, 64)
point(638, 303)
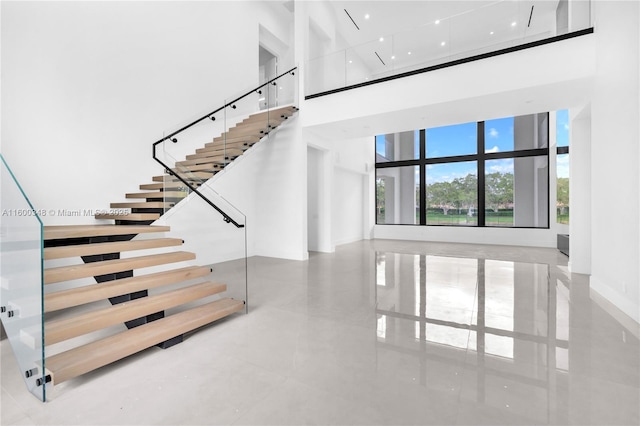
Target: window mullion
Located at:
point(481, 179)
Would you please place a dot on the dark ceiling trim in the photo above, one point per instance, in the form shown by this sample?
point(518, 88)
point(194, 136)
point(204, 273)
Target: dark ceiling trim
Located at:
point(458, 62)
point(530, 15)
point(354, 22)
point(380, 59)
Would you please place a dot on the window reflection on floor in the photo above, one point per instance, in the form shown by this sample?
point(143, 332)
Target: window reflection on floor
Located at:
point(498, 312)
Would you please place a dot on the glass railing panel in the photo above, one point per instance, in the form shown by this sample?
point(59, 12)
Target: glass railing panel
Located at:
point(246, 123)
point(326, 72)
point(196, 153)
point(219, 237)
point(21, 289)
point(482, 29)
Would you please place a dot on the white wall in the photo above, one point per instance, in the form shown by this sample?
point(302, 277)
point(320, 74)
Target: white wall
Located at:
point(261, 189)
point(87, 87)
point(344, 214)
point(614, 154)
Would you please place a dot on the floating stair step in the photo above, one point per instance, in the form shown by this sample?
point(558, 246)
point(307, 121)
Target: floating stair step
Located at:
point(253, 126)
point(170, 185)
point(67, 328)
point(229, 152)
point(198, 167)
point(219, 159)
point(158, 194)
point(241, 133)
point(55, 301)
point(80, 231)
point(148, 205)
point(193, 176)
point(231, 138)
point(272, 119)
point(66, 273)
point(111, 247)
point(83, 359)
point(242, 143)
point(130, 216)
point(278, 112)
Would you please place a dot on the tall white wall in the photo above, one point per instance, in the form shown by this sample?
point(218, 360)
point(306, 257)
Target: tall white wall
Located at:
point(87, 87)
point(614, 157)
point(263, 184)
point(345, 210)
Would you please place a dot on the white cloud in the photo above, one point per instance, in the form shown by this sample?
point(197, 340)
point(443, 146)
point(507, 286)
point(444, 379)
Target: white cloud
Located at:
point(494, 149)
point(493, 133)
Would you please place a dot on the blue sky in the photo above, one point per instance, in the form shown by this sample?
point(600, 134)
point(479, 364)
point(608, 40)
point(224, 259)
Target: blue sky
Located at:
point(460, 139)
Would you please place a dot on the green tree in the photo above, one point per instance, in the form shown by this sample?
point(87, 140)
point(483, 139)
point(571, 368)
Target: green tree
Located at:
point(498, 190)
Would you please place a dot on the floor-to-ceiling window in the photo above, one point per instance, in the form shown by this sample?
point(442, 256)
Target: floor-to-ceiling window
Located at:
point(562, 166)
point(492, 173)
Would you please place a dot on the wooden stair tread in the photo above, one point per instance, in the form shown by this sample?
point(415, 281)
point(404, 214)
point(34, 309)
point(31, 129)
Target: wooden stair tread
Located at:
point(195, 176)
point(63, 299)
point(79, 231)
point(67, 328)
point(157, 194)
point(130, 216)
point(91, 356)
point(287, 111)
point(108, 247)
point(229, 152)
point(216, 158)
point(198, 168)
point(242, 144)
point(164, 185)
point(66, 273)
point(145, 205)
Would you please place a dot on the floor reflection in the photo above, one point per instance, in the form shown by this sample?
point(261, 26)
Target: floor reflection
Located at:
point(518, 338)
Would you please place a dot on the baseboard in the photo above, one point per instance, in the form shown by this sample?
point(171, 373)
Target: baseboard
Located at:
point(622, 310)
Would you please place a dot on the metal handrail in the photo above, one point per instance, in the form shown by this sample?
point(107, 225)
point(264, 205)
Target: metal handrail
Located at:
point(225, 216)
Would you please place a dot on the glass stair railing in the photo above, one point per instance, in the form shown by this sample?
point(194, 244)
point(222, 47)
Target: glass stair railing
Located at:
point(197, 152)
point(21, 272)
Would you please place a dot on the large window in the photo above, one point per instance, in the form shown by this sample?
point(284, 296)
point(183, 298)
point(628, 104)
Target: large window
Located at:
point(562, 166)
point(492, 173)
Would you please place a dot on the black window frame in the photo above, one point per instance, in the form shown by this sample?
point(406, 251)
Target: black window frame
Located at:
point(480, 157)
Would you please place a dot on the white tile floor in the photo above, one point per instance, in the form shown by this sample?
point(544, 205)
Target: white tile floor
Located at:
point(381, 332)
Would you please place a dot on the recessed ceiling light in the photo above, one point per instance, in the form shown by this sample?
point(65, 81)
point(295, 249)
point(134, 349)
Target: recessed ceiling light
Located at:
point(491, 33)
point(366, 16)
point(514, 23)
point(437, 21)
point(408, 53)
point(350, 62)
point(381, 39)
point(393, 57)
point(443, 43)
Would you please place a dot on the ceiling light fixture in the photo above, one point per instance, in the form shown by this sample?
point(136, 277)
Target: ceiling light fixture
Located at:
point(381, 38)
point(443, 43)
point(437, 21)
point(408, 53)
point(491, 33)
point(393, 56)
point(354, 22)
point(366, 16)
point(514, 23)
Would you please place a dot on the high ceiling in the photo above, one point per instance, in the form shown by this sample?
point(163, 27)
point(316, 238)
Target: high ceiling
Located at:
point(395, 35)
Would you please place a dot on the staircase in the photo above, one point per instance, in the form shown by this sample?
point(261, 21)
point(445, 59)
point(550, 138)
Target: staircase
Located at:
point(167, 190)
point(74, 313)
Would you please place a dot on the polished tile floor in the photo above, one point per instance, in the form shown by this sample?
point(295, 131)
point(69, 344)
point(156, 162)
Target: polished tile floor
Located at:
point(380, 332)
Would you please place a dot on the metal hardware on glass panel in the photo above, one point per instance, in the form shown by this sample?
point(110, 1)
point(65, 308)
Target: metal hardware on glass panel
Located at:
point(3, 309)
point(30, 373)
point(40, 381)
